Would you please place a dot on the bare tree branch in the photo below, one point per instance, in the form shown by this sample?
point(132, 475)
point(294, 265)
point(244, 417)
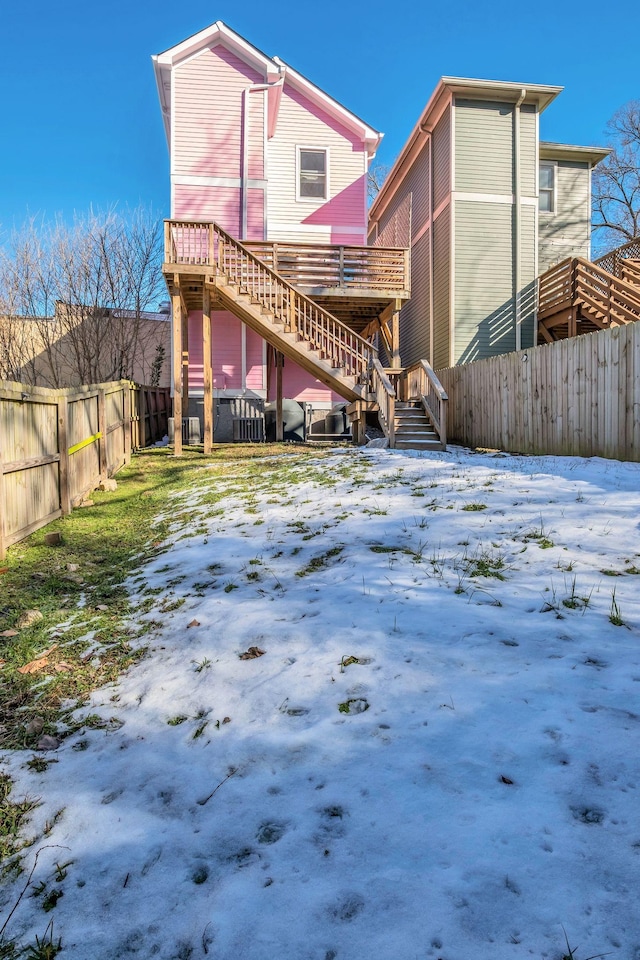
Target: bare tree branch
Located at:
point(616, 181)
point(73, 299)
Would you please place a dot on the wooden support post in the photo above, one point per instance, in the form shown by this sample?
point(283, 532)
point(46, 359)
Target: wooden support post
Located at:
point(207, 371)
point(102, 442)
point(63, 450)
point(395, 340)
point(279, 421)
point(185, 362)
point(167, 242)
point(176, 373)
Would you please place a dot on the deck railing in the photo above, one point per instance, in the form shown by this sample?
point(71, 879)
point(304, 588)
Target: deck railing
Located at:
point(326, 265)
point(580, 283)
point(421, 383)
point(188, 243)
point(385, 395)
point(306, 265)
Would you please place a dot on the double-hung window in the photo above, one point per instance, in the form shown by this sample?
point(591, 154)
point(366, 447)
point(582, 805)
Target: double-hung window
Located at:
point(313, 174)
point(547, 187)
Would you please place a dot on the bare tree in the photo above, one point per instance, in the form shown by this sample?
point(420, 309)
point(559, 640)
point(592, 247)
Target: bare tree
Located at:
point(616, 181)
point(73, 299)
point(376, 175)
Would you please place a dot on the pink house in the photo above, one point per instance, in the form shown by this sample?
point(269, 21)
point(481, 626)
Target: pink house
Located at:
point(261, 155)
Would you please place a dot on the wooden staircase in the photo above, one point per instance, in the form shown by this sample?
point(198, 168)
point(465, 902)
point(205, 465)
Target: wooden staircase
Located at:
point(411, 405)
point(413, 429)
point(203, 261)
point(578, 296)
point(291, 322)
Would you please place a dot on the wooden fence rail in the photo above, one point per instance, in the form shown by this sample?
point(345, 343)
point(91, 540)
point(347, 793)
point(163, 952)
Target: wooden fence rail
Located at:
point(576, 397)
point(58, 445)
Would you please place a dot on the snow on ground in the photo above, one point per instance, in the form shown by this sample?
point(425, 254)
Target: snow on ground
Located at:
point(476, 792)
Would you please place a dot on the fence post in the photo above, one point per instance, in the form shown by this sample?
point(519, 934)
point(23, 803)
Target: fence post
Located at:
point(102, 428)
point(128, 425)
point(142, 409)
point(64, 481)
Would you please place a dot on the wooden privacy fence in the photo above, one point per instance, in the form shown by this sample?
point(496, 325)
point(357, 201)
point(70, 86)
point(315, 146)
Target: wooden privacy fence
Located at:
point(58, 445)
point(576, 397)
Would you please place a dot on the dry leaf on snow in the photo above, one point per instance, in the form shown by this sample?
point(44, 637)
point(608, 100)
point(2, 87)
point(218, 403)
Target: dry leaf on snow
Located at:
point(252, 653)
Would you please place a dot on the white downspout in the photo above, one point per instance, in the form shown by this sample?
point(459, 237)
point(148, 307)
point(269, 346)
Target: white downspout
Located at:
point(517, 280)
point(244, 173)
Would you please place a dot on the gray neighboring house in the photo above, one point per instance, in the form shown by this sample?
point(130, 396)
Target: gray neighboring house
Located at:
point(485, 207)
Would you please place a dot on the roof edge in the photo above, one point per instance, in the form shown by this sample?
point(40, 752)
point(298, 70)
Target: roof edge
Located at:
point(571, 151)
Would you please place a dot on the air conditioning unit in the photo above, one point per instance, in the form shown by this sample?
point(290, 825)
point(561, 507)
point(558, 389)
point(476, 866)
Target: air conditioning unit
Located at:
point(190, 430)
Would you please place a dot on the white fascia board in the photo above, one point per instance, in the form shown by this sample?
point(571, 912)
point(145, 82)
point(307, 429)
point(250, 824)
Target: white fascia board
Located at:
point(569, 151)
point(218, 32)
point(370, 136)
point(163, 83)
point(539, 93)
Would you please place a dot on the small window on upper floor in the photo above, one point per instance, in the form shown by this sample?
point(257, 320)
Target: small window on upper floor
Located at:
point(313, 174)
point(547, 188)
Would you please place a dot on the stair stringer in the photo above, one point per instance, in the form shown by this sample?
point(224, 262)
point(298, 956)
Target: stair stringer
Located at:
point(259, 319)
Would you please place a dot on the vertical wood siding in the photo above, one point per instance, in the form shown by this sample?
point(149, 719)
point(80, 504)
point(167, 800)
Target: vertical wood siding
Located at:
point(565, 233)
point(575, 397)
point(301, 123)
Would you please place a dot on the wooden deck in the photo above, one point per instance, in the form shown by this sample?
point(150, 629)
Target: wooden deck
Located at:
point(578, 296)
point(355, 284)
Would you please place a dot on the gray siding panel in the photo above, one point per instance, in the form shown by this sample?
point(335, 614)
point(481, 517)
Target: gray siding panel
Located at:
point(414, 317)
point(441, 297)
point(484, 309)
point(565, 233)
point(527, 275)
point(528, 150)
point(442, 158)
point(416, 183)
point(484, 146)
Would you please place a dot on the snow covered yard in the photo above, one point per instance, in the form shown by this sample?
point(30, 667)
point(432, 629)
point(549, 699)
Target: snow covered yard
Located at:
point(432, 751)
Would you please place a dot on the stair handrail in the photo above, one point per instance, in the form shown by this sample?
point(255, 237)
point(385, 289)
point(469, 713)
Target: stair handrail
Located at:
point(385, 395)
point(299, 313)
point(609, 292)
point(421, 383)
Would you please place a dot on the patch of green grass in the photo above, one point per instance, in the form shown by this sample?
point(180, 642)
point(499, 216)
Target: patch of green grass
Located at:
point(615, 616)
point(317, 563)
point(177, 720)
point(14, 814)
point(474, 507)
point(80, 589)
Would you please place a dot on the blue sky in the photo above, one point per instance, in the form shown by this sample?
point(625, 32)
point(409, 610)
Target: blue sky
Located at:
point(81, 122)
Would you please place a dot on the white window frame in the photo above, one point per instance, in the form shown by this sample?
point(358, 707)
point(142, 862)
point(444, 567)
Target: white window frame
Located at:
point(553, 190)
point(327, 189)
